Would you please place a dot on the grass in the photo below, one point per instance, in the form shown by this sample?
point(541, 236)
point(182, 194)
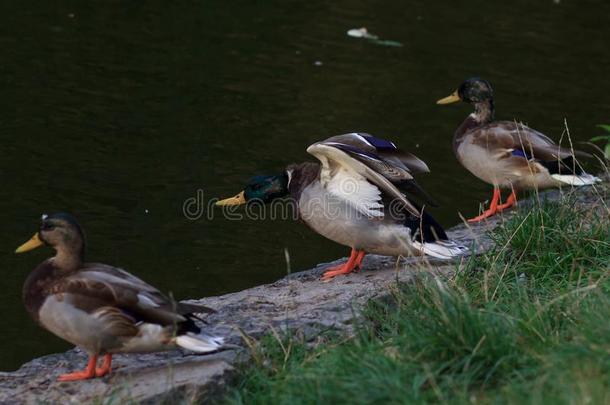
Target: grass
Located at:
point(528, 322)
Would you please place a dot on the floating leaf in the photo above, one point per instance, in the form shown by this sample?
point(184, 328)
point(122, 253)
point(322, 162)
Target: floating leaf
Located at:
point(385, 42)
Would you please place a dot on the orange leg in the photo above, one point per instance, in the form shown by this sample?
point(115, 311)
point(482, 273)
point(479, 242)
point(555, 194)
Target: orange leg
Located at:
point(354, 260)
point(87, 373)
point(106, 366)
point(359, 259)
point(512, 200)
point(493, 207)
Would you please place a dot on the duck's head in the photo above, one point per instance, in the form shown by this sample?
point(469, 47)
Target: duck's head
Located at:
point(61, 231)
point(473, 91)
point(262, 189)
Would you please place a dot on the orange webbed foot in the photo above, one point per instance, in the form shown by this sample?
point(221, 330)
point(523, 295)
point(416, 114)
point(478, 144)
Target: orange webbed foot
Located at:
point(493, 208)
point(87, 373)
point(486, 214)
point(343, 269)
point(353, 263)
point(76, 376)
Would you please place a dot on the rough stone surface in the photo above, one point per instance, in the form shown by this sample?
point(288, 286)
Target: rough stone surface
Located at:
point(300, 303)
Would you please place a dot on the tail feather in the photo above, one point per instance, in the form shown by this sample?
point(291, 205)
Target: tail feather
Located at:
point(441, 249)
point(430, 238)
point(199, 343)
point(583, 179)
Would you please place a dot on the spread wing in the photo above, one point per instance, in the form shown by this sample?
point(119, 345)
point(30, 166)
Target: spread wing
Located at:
point(361, 169)
point(99, 288)
point(385, 150)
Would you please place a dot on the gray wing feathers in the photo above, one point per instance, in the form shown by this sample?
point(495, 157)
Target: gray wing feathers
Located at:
point(540, 146)
point(98, 285)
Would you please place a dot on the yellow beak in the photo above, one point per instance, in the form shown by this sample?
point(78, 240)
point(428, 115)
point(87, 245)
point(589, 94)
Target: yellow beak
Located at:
point(239, 199)
point(454, 97)
point(31, 244)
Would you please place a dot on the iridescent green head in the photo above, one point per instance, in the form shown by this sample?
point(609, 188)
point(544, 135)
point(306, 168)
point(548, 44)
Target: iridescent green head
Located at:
point(261, 188)
point(474, 90)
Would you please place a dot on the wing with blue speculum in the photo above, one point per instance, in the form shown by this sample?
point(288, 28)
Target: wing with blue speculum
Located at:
point(379, 161)
point(397, 165)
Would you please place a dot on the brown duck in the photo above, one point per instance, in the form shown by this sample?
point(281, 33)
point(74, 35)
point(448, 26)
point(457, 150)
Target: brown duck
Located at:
point(509, 155)
point(100, 308)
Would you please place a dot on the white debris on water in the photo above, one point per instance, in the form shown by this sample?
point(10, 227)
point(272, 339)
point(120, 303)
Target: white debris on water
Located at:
point(361, 33)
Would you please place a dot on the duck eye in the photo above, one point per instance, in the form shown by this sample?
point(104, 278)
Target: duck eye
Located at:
point(47, 226)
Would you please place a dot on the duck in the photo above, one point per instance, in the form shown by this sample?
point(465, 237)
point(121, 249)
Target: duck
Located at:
point(507, 154)
point(100, 308)
point(361, 194)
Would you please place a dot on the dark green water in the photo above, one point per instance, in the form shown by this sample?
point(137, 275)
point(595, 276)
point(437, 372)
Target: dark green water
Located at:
point(113, 108)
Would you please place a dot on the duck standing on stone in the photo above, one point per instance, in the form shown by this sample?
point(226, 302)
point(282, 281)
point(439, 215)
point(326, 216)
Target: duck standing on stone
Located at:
point(100, 308)
point(506, 154)
point(357, 197)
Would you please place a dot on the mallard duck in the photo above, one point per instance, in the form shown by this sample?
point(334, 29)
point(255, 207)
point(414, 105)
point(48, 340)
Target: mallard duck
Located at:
point(506, 154)
point(100, 308)
point(357, 196)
